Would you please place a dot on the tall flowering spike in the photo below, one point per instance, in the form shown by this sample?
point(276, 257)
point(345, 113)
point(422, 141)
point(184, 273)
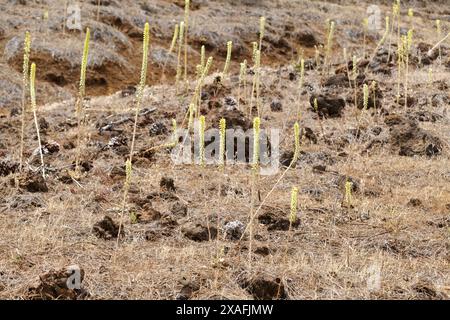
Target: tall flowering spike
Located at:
point(26, 59)
point(174, 38)
point(330, 38)
point(410, 12)
point(25, 80)
point(242, 70)
point(228, 60)
point(294, 205)
point(181, 33)
point(128, 169)
point(146, 39)
point(316, 105)
point(180, 45)
point(186, 24)
point(256, 134)
point(199, 70)
point(201, 135)
point(302, 73)
point(32, 86)
point(186, 12)
point(174, 134)
point(409, 38)
point(296, 143)
point(207, 67)
point(348, 192)
point(254, 51)
point(222, 130)
point(395, 9)
point(202, 56)
point(258, 59)
point(262, 26)
point(84, 62)
point(365, 96)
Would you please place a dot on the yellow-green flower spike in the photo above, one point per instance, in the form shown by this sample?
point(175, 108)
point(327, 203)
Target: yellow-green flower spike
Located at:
point(26, 59)
point(207, 67)
point(202, 56)
point(180, 44)
point(84, 62)
point(228, 59)
point(262, 24)
point(199, 70)
point(191, 115)
point(365, 96)
point(256, 134)
point(186, 24)
point(181, 33)
point(222, 130)
point(395, 9)
point(201, 134)
point(174, 38)
point(348, 192)
point(242, 71)
point(128, 168)
point(294, 205)
point(258, 59)
point(302, 73)
point(409, 39)
point(296, 143)
point(254, 51)
point(146, 39)
point(174, 129)
point(330, 38)
point(316, 105)
point(410, 12)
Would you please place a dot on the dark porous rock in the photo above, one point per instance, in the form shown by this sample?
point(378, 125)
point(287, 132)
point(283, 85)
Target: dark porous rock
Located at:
point(328, 106)
point(276, 106)
point(167, 184)
point(198, 232)
point(408, 139)
point(263, 287)
point(107, 229)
